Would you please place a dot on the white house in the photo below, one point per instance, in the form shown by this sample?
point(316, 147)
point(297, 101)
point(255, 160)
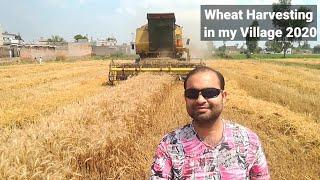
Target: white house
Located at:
point(11, 39)
point(289, 51)
point(110, 42)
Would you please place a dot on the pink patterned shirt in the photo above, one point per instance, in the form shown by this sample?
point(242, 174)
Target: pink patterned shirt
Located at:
point(182, 155)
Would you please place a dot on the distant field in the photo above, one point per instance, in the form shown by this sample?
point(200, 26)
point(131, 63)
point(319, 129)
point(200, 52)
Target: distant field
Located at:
point(58, 121)
point(274, 56)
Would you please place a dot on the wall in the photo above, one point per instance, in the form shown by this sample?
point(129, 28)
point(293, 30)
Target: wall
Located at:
point(79, 49)
point(103, 50)
point(50, 52)
point(40, 51)
point(4, 52)
point(107, 50)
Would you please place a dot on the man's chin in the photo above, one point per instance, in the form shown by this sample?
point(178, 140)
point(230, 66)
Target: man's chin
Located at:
point(205, 119)
point(202, 118)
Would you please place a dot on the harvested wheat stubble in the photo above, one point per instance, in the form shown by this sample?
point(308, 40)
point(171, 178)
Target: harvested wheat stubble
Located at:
point(268, 99)
point(27, 97)
point(291, 140)
point(81, 140)
point(168, 115)
point(113, 135)
point(295, 87)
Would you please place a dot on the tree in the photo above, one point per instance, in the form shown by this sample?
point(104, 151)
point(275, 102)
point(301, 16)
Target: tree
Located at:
point(252, 42)
point(258, 50)
point(222, 50)
point(18, 37)
point(282, 24)
point(243, 49)
point(79, 36)
point(305, 45)
point(56, 39)
point(273, 46)
point(316, 49)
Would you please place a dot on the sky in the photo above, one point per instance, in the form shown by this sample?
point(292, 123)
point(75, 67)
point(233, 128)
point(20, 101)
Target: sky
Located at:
point(106, 18)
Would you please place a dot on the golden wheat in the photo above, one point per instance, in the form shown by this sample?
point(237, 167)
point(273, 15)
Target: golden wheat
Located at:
point(28, 92)
point(295, 87)
point(113, 132)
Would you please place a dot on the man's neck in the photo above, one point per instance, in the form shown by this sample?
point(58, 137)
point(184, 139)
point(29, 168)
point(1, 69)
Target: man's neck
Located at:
point(210, 133)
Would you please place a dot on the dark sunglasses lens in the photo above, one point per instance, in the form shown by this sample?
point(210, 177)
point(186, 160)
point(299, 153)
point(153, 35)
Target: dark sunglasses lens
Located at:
point(191, 93)
point(210, 93)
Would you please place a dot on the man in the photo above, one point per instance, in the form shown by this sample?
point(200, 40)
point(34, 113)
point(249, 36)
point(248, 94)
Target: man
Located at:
point(209, 147)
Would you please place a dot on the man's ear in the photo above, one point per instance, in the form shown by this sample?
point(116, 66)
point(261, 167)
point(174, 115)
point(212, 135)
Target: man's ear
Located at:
point(224, 97)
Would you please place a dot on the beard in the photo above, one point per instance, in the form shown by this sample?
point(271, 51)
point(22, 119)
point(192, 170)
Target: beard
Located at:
point(207, 118)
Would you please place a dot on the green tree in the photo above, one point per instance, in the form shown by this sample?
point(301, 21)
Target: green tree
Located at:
point(258, 50)
point(252, 42)
point(242, 49)
point(273, 46)
point(316, 49)
point(56, 39)
point(282, 24)
point(305, 45)
point(222, 50)
point(79, 36)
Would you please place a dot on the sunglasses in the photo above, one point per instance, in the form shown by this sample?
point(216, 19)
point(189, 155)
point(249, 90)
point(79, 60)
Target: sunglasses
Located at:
point(207, 93)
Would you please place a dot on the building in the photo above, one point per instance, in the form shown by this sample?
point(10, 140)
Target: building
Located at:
point(301, 51)
point(12, 39)
point(110, 42)
point(110, 50)
point(108, 47)
point(232, 50)
point(10, 44)
point(42, 41)
point(288, 51)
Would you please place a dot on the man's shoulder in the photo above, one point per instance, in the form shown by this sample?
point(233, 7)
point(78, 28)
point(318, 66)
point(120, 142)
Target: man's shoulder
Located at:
point(239, 131)
point(181, 134)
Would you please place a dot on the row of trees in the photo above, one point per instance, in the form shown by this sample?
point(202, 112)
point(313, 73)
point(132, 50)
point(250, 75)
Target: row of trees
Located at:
point(270, 46)
point(283, 43)
point(276, 46)
point(59, 39)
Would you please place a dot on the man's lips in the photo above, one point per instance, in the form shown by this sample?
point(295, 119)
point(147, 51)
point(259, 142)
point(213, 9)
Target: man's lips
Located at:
point(201, 108)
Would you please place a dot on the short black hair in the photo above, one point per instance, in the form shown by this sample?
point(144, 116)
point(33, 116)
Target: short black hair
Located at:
point(205, 69)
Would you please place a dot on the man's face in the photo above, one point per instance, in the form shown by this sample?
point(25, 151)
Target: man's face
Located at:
point(204, 111)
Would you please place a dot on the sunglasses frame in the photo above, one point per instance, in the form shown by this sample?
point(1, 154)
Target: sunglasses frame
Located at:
point(203, 91)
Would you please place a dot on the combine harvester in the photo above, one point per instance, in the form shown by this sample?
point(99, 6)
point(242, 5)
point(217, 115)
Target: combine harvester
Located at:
point(160, 48)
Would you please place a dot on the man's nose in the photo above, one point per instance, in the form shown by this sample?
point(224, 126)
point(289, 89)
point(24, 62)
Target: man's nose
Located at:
point(201, 99)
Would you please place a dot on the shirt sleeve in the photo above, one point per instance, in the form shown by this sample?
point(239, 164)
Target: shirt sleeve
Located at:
point(259, 170)
point(162, 164)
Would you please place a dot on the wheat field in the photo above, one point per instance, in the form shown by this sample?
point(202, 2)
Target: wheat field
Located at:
point(58, 120)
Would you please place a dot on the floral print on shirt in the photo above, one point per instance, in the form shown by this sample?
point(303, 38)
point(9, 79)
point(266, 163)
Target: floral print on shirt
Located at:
point(182, 155)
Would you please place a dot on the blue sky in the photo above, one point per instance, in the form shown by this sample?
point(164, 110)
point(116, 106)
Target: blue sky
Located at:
point(104, 18)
